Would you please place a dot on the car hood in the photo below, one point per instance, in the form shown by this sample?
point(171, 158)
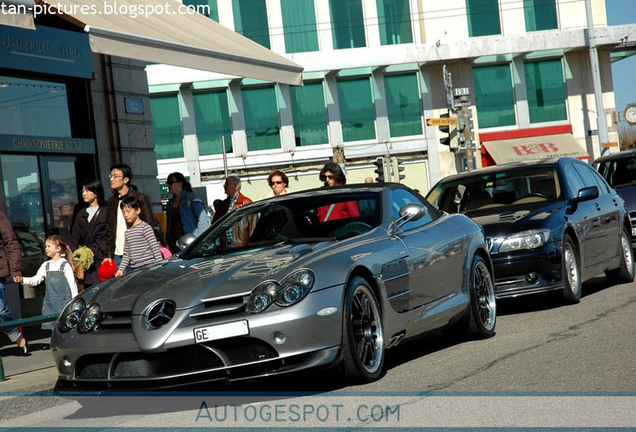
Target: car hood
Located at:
point(628, 193)
point(188, 281)
point(513, 219)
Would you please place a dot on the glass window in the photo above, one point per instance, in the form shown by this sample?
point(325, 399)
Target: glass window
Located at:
point(573, 180)
point(299, 25)
point(402, 197)
point(250, 20)
point(483, 17)
point(540, 14)
point(347, 24)
point(30, 107)
point(213, 122)
point(166, 124)
point(546, 91)
point(261, 118)
point(394, 17)
point(208, 8)
point(403, 104)
point(494, 96)
point(356, 109)
point(310, 114)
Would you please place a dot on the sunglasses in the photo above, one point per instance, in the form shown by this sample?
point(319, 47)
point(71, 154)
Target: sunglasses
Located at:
point(277, 182)
point(170, 182)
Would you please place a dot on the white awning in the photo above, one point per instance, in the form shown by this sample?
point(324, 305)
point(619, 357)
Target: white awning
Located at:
point(17, 13)
point(162, 32)
point(537, 147)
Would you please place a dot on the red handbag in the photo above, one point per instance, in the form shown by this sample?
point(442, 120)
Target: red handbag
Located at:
point(107, 270)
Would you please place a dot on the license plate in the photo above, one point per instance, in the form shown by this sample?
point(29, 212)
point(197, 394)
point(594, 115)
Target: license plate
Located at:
point(221, 331)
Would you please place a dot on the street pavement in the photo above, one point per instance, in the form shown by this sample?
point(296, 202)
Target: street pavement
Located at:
point(32, 373)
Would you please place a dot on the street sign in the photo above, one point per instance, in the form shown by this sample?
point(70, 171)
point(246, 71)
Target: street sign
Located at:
point(461, 91)
point(442, 121)
point(610, 144)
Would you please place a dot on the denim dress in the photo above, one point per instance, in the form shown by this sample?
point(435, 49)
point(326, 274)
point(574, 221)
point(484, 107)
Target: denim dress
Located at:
point(58, 294)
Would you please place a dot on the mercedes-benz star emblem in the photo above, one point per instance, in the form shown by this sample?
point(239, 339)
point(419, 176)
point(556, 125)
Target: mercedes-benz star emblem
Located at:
point(160, 313)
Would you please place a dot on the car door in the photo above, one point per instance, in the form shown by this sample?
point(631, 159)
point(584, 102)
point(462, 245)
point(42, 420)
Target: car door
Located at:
point(436, 252)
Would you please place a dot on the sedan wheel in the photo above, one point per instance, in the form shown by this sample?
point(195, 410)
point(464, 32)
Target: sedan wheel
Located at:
point(483, 306)
point(625, 272)
point(363, 340)
point(571, 273)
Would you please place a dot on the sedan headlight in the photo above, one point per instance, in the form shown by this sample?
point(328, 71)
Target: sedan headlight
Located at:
point(525, 240)
point(90, 318)
point(292, 290)
point(70, 316)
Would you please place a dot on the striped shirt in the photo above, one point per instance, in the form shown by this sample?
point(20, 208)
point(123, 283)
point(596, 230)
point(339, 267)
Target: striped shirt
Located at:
point(140, 247)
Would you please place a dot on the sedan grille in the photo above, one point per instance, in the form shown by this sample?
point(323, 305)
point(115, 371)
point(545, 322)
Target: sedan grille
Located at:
point(222, 306)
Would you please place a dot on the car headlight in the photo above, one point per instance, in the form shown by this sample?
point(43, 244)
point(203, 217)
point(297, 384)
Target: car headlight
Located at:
point(70, 316)
point(262, 296)
point(90, 318)
point(294, 288)
point(525, 240)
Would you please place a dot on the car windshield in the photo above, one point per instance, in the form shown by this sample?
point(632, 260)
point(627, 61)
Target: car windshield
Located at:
point(619, 172)
point(495, 190)
point(324, 216)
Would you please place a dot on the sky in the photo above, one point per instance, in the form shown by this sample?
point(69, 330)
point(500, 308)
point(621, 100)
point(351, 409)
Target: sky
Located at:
point(623, 71)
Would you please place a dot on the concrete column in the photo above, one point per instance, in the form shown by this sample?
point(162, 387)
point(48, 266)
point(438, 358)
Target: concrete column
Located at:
point(276, 31)
point(333, 111)
point(226, 13)
point(379, 103)
point(371, 25)
point(430, 144)
point(521, 93)
point(287, 136)
point(189, 128)
point(323, 23)
point(235, 104)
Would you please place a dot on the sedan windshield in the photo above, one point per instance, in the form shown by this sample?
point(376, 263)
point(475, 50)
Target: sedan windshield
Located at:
point(491, 191)
point(294, 219)
point(619, 172)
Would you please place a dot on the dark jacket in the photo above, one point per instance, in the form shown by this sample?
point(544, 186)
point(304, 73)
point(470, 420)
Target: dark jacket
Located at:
point(97, 238)
point(10, 258)
point(113, 206)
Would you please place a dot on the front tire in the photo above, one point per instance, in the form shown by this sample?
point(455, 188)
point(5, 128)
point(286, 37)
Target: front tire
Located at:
point(362, 336)
point(483, 305)
point(571, 272)
point(625, 271)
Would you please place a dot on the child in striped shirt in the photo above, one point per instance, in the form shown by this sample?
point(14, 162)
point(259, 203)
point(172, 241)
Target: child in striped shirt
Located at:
point(140, 245)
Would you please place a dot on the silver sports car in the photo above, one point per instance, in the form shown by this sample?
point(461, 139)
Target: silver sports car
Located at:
point(326, 277)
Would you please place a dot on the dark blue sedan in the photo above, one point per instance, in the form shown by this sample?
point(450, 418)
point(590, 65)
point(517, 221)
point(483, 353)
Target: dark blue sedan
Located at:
point(550, 225)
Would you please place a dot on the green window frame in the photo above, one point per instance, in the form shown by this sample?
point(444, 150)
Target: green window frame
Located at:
point(208, 8)
point(212, 116)
point(394, 17)
point(250, 20)
point(494, 95)
point(299, 25)
point(310, 114)
point(347, 24)
point(403, 104)
point(166, 124)
point(483, 17)
point(261, 118)
point(357, 114)
point(546, 90)
point(540, 14)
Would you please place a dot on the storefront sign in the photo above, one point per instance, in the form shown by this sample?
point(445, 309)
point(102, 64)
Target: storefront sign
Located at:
point(38, 144)
point(47, 50)
point(134, 105)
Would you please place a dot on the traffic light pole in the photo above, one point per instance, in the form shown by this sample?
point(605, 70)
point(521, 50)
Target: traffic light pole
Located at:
point(470, 165)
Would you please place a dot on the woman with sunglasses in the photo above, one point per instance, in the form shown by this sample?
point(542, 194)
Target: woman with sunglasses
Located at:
point(279, 183)
point(186, 213)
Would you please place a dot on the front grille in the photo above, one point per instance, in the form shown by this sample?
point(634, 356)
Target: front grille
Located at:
point(116, 320)
point(193, 358)
point(222, 306)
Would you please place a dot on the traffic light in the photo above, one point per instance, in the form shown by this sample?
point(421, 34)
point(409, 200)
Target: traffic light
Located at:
point(379, 163)
point(465, 132)
point(397, 168)
point(451, 130)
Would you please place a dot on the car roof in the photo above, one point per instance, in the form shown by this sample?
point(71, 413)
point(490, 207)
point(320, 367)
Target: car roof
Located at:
point(355, 187)
point(614, 156)
point(509, 167)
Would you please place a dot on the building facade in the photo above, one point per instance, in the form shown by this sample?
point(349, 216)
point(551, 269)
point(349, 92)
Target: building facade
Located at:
point(373, 76)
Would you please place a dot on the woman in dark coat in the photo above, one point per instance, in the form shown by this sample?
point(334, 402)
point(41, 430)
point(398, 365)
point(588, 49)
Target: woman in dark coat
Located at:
point(90, 228)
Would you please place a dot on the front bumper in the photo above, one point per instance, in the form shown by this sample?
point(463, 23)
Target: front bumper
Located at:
point(528, 272)
point(112, 359)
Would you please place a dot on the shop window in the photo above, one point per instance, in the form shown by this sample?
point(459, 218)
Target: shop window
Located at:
point(540, 14)
point(483, 17)
point(299, 25)
point(310, 114)
point(250, 20)
point(494, 95)
point(212, 115)
point(357, 115)
point(403, 104)
point(261, 118)
point(166, 124)
point(347, 24)
point(394, 17)
point(209, 8)
point(546, 91)
point(30, 107)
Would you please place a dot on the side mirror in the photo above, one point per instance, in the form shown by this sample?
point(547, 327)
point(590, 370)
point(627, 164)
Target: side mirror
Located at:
point(185, 240)
point(585, 194)
point(410, 212)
